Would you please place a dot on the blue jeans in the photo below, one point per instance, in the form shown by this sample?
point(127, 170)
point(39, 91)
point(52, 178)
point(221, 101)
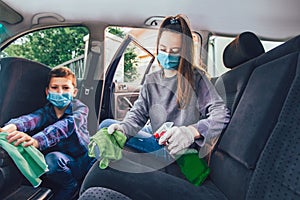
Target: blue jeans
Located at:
point(66, 173)
point(143, 141)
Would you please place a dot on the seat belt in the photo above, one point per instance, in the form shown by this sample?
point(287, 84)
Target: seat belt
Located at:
point(88, 87)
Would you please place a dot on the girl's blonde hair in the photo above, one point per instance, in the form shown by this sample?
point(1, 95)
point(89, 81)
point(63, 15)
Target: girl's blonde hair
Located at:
point(185, 86)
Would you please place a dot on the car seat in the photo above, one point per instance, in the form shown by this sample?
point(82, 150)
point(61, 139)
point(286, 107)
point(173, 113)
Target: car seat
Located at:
point(231, 84)
point(22, 87)
point(22, 90)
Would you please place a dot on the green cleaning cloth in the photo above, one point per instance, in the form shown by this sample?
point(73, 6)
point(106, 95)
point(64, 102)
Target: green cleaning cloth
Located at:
point(110, 146)
point(29, 160)
point(193, 168)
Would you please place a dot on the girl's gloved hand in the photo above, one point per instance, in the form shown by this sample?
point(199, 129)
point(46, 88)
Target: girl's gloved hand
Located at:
point(178, 138)
point(115, 127)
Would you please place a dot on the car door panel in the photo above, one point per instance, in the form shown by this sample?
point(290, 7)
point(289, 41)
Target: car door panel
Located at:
point(122, 90)
point(124, 96)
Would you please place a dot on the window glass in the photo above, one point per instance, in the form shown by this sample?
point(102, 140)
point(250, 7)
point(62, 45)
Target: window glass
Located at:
point(133, 65)
point(137, 56)
point(216, 47)
point(52, 47)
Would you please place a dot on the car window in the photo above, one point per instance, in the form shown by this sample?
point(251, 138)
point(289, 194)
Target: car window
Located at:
point(52, 47)
point(137, 55)
point(133, 64)
point(216, 46)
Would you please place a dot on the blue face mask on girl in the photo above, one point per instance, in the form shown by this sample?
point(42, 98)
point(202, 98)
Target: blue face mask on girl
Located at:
point(168, 61)
point(59, 100)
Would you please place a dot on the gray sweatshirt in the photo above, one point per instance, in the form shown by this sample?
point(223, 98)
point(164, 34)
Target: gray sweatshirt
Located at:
point(206, 110)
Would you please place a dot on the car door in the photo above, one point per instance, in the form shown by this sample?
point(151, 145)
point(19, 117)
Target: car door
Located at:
point(124, 77)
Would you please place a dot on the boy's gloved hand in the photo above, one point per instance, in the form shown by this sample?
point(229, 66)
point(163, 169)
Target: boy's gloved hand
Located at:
point(178, 138)
point(115, 127)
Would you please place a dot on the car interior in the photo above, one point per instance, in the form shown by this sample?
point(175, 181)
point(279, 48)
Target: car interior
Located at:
point(256, 156)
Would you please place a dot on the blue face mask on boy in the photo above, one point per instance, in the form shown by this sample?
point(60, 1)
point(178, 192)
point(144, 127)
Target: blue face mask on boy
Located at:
point(59, 100)
point(168, 61)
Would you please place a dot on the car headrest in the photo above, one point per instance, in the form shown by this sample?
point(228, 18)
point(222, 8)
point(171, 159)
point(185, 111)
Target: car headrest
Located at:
point(243, 48)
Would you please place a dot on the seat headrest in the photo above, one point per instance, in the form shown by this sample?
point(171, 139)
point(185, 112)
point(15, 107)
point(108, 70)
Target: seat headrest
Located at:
point(243, 48)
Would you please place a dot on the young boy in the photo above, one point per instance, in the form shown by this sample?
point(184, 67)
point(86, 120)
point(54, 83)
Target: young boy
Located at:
point(59, 131)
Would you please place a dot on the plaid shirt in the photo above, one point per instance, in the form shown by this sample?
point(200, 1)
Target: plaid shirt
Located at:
point(67, 134)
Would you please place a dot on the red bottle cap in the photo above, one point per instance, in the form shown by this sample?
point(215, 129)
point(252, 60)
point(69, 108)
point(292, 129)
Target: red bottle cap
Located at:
point(162, 133)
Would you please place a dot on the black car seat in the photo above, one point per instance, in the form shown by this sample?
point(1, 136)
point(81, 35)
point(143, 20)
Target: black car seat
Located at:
point(100, 193)
point(231, 84)
point(22, 90)
point(257, 114)
point(10, 176)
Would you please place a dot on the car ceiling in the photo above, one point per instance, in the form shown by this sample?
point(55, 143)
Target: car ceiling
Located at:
point(269, 19)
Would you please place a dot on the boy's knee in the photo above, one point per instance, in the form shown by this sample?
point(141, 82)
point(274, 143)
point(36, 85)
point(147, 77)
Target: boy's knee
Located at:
point(56, 161)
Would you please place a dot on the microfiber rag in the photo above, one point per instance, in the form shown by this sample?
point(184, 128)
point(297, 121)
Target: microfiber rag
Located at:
point(29, 160)
point(110, 146)
point(194, 169)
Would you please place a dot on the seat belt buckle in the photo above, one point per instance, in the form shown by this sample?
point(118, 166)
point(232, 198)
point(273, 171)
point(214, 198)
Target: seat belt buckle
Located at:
point(87, 90)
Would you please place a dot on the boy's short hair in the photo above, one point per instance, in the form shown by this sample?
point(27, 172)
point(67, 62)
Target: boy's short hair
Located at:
point(62, 71)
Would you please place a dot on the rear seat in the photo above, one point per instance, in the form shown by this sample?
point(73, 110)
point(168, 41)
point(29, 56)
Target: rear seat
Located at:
point(230, 85)
point(257, 156)
point(251, 125)
point(234, 160)
point(22, 87)
point(22, 90)
point(10, 176)
point(277, 171)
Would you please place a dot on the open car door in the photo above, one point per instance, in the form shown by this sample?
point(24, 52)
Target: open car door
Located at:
point(124, 77)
